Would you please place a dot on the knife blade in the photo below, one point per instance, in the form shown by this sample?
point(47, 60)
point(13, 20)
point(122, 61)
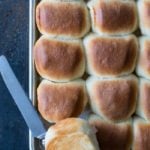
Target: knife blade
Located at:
point(23, 103)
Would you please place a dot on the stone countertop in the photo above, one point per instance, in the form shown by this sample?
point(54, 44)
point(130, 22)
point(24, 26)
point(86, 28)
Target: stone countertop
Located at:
point(14, 45)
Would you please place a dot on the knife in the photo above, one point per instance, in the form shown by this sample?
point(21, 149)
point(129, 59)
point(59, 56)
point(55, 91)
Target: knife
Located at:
point(27, 110)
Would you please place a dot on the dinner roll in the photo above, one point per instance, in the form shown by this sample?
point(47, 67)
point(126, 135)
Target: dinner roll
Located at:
point(112, 136)
point(141, 134)
point(71, 134)
point(143, 65)
point(67, 19)
point(144, 16)
point(110, 56)
point(143, 104)
point(113, 99)
point(57, 101)
point(113, 17)
point(59, 60)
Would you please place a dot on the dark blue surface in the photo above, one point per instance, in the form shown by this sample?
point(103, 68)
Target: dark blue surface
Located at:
point(14, 45)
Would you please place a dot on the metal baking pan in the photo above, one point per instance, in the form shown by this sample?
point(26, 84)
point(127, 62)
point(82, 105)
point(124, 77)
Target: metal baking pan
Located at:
point(34, 78)
point(32, 39)
point(34, 144)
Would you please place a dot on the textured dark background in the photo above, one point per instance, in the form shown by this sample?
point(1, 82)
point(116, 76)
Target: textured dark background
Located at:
point(14, 45)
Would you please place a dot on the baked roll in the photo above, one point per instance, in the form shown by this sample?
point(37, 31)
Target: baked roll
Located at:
point(65, 19)
point(71, 134)
point(113, 99)
point(113, 17)
point(57, 101)
point(143, 103)
point(110, 56)
point(59, 60)
point(112, 136)
point(141, 134)
point(144, 16)
point(143, 64)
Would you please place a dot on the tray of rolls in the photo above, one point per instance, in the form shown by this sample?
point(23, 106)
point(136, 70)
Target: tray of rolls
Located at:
point(90, 73)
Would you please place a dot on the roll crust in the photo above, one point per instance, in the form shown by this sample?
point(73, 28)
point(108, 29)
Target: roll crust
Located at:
point(72, 133)
point(143, 65)
point(112, 136)
point(101, 54)
point(62, 18)
point(57, 101)
point(115, 17)
point(144, 99)
point(144, 16)
point(113, 99)
point(59, 60)
point(141, 135)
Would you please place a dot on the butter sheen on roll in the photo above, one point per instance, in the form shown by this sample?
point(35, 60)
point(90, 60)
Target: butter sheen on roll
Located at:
point(113, 17)
point(71, 134)
point(65, 19)
point(141, 134)
point(144, 16)
point(57, 101)
point(109, 56)
point(112, 136)
point(113, 99)
point(59, 60)
point(143, 64)
point(143, 103)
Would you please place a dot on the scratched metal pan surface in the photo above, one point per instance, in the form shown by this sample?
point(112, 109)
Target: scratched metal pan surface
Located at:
point(34, 144)
point(34, 78)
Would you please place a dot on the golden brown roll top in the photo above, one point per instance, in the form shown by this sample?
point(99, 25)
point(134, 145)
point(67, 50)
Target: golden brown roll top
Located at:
point(112, 136)
point(143, 65)
point(141, 134)
point(110, 56)
point(57, 101)
point(113, 17)
point(113, 99)
point(143, 105)
point(144, 16)
point(67, 19)
point(71, 133)
point(59, 60)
